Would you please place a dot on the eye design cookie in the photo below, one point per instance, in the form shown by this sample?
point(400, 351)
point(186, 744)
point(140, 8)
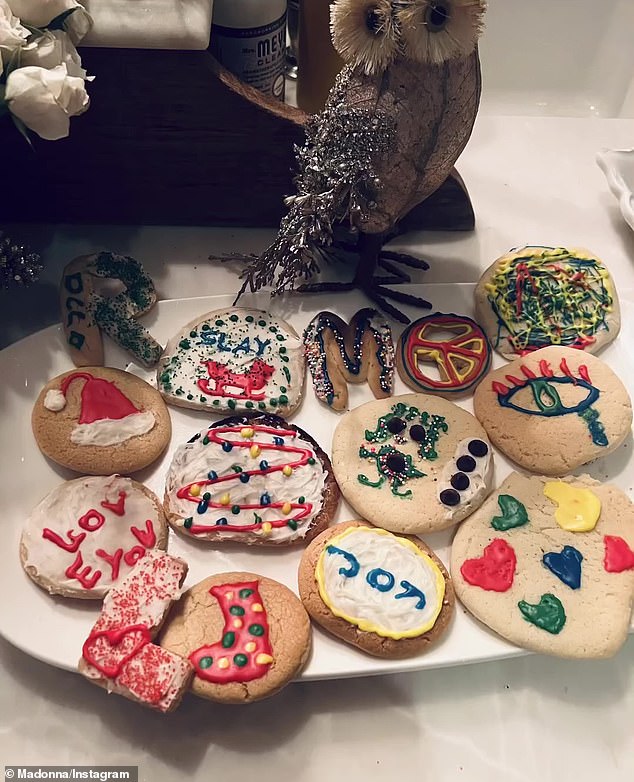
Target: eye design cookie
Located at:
point(549, 565)
point(386, 594)
point(413, 463)
point(247, 636)
point(99, 420)
point(554, 410)
point(87, 535)
point(251, 479)
point(234, 360)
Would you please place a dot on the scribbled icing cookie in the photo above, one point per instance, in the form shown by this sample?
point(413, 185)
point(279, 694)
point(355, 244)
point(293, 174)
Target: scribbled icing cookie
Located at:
point(86, 312)
point(443, 354)
point(247, 636)
point(338, 353)
point(234, 360)
point(549, 565)
point(251, 479)
point(88, 534)
point(119, 654)
point(554, 410)
point(539, 296)
point(386, 594)
point(413, 463)
point(99, 420)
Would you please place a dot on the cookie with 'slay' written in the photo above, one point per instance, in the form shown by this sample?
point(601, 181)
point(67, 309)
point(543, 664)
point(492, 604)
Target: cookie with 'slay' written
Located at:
point(386, 594)
point(549, 565)
point(234, 360)
point(87, 535)
point(99, 420)
point(247, 636)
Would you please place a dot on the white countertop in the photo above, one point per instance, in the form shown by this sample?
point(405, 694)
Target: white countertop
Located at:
point(531, 180)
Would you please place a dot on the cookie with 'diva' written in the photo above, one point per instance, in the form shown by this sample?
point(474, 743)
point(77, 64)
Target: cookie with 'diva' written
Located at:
point(413, 463)
point(387, 594)
point(549, 565)
point(87, 535)
point(99, 420)
point(247, 636)
point(554, 410)
point(251, 479)
point(234, 360)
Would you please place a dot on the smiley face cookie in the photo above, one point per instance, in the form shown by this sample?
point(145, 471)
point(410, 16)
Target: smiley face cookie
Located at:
point(386, 594)
point(99, 420)
point(549, 565)
point(234, 360)
point(554, 410)
point(413, 463)
point(247, 636)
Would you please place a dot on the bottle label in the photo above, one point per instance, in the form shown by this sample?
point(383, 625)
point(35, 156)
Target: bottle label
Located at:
point(256, 55)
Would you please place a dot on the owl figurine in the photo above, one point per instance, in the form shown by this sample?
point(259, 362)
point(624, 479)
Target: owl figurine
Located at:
point(399, 115)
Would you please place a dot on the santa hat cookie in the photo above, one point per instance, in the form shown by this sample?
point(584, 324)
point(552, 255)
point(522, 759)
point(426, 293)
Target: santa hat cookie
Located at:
point(100, 420)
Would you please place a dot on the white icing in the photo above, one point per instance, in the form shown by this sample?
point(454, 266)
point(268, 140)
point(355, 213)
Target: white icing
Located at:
point(371, 609)
point(54, 400)
point(479, 479)
point(193, 461)
point(109, 431)
point(60, 511)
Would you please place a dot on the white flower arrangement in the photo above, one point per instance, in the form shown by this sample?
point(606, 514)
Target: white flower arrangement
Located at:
point(42, 83)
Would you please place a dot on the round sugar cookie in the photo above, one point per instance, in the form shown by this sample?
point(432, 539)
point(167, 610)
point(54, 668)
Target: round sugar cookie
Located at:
point(411, 464)
point(234, 360)
point(251, 479)
point(98, 420)
point(86, 535)
point(386, 594)
point(247, 636)
point(539, 296)
point(554, 410)
point(549, 565)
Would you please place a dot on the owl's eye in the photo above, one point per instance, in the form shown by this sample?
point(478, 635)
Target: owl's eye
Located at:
point(437, 17)
point(373, 21)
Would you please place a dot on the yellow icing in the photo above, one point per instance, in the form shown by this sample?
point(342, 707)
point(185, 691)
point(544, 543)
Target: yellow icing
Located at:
point(578, 509)
point(365, 624)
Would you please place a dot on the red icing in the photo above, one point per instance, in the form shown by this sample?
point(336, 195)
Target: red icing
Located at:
point(99, 399)
point(145, 537)
point(566, 370)
point(514, 381)
point(83, 576)
point(114, 561)
point(584, 374)
point(132, 556)
point(544, 368)
point(494, 571)
point(118, 507)
point(251, 380)
point(228, 596)
point(92, 520)
point(151, 673)
point(74, 538)
point(528, 372)
point(618, 555)
point(109, 650)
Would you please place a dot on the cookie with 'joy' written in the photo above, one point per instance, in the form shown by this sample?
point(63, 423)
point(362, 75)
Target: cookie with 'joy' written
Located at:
point(549, 565)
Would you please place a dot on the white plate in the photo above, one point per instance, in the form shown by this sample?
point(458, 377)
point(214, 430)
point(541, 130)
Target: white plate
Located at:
point(618, 167)
point(53, 630)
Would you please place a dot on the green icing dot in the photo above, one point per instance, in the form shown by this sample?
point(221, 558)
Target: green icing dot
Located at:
point(261, 323)
point(228, 639)
point(190, 396)
point(257, 519)
point(282, 350)
point(301, 499)
point(273, 402)
point(216, 402)
point(292, 524)
point(244, 593)
point(311, 460)
point(256, 629)
point(249, 318)
point(284, 358)
point(206, 662)
point(206, 496)
point(240, 660)
point(283, 389)
point(232, 404)
point(235, 509)
point(248, 404)
point(193, 334)
point(205, 327)
point(283, 399)
point(179, 391)
point(233, 318)
point(220, 323)
point(165, 377)
point(236, 468)
point(273, 329)
point(236, 610)
point(262, 405)
point(188, 522)
point(184, 343)
point(281, 337)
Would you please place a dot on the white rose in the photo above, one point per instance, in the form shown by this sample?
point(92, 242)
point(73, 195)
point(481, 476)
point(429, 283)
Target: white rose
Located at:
point(39, 13)
point(50, 49)
point(12, 33)
point(45, 100)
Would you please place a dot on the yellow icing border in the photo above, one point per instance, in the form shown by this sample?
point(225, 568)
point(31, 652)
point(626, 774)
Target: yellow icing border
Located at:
point(364, 624)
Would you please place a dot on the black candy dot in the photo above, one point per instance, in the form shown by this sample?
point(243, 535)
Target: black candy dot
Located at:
point(417, 433)
point(395, 425)
point(449, 497)
point(395, 462)
point(460, 481)
point(478, 448)
point(466, 464)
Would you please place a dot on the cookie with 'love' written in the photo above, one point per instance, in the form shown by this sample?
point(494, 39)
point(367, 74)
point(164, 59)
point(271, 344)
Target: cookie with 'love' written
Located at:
point(549, 565)
point(411, 464)
point(387, 594)
point(87, 535)
point(234, 360)
point(251, 479)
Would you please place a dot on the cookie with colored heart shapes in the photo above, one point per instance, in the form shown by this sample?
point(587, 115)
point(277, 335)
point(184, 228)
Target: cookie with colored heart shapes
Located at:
point(549, 565)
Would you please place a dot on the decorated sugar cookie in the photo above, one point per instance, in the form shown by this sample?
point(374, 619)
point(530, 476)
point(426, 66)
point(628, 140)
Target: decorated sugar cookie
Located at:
point(88, 534)
point(247, 636)
point(338, 353)
point(119, 654)
point(413, 463)
point(99, 420)
point(386, 594)
point(251, 479)
point(554, 410)
point(539, 296)
point(234, 360)
point(549, 565)
point(434, 363)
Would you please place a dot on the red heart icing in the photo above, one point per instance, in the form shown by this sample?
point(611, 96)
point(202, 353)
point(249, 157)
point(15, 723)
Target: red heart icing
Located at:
point(112, 666)
point(618, 555)
point(494, 570)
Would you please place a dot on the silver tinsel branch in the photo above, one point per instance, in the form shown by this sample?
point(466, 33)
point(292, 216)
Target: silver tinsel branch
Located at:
point(336, 182)
point(18, 265)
